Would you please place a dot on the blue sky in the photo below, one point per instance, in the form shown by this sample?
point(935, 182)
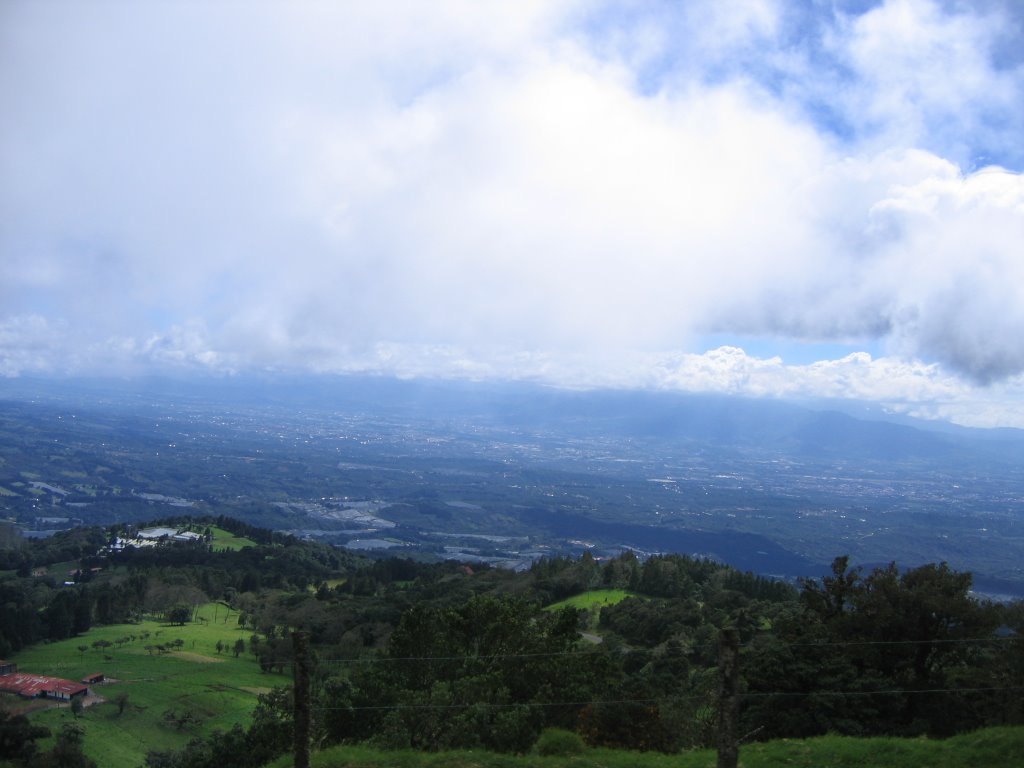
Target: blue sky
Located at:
point(767, 197)
point(792, 351)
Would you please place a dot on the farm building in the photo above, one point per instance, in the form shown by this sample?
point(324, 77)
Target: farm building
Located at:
point(7, 667)
point(41, 686)
point(95, 677)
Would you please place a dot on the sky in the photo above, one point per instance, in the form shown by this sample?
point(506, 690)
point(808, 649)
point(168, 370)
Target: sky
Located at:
point(779, 198)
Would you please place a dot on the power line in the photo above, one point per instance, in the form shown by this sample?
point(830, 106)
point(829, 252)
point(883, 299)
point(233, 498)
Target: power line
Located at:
point(660, 700)
point(752, 645)
point(845, 643)
point(495, 705)
point(482, 657)
point(687, 648)
point(885, 692)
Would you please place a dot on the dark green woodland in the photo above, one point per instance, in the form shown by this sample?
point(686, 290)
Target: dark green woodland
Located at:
point(448, 655)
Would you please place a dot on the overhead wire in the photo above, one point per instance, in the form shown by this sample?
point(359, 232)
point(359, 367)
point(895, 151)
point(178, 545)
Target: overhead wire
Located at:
point(661, 699)
point(591, 651)
point(752, 645)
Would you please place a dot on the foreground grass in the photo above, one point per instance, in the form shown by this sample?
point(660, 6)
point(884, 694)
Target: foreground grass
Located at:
point(991, 747)
point(219, 689)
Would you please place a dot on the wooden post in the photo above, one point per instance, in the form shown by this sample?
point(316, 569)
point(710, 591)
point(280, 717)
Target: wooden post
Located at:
point(300, 669)
point(728, 702)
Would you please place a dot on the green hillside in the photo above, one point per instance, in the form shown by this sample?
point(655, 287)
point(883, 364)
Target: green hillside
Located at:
point(206, 689)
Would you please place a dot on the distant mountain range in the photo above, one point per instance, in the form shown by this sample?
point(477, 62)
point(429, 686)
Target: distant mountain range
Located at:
point(819, 430)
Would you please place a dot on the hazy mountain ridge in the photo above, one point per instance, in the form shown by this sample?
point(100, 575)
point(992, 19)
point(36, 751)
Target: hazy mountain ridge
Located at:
point(721, 419)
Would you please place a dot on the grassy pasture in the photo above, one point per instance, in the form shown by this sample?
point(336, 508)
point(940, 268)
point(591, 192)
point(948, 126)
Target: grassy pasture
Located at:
point(596, 598)
point(225, 540)
point(6, 492)
point(992, 747)
point(219, 689)
point(63, 570)
point(593, 601)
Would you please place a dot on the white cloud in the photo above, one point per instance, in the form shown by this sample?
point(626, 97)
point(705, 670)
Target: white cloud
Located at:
point(930, 77)
point(856, 376)
point(522, 189)
point(26, 345)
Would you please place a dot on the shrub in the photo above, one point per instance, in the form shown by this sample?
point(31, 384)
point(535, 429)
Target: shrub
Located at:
point(558, 742)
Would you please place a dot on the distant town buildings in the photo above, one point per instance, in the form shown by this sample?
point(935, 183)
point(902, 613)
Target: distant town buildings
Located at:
point(173, 534)
point(151, 537)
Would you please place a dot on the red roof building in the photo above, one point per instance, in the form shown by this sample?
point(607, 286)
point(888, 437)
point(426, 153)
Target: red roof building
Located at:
point(41, 686)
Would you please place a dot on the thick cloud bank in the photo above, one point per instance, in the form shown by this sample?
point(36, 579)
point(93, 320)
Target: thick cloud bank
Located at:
point(554, 189)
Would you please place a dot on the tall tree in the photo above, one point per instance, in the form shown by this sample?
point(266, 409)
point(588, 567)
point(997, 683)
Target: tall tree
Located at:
point(898, 644)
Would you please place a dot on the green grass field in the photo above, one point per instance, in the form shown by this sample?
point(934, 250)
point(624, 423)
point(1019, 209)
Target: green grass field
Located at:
point(597, 598)
point(6, 492)
point(225, 540)
point(992, 748)
point(63, 570)
point(219, 689)
point(593, 601)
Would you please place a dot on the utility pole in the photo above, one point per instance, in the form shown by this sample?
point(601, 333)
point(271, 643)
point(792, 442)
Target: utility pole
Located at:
point(728, 700)
point(300, 669)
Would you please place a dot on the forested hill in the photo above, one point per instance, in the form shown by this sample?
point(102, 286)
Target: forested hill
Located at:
point(622, 652)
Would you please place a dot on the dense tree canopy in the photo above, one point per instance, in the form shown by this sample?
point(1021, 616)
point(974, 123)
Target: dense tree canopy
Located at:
point(888, 652)
point(439, 655)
